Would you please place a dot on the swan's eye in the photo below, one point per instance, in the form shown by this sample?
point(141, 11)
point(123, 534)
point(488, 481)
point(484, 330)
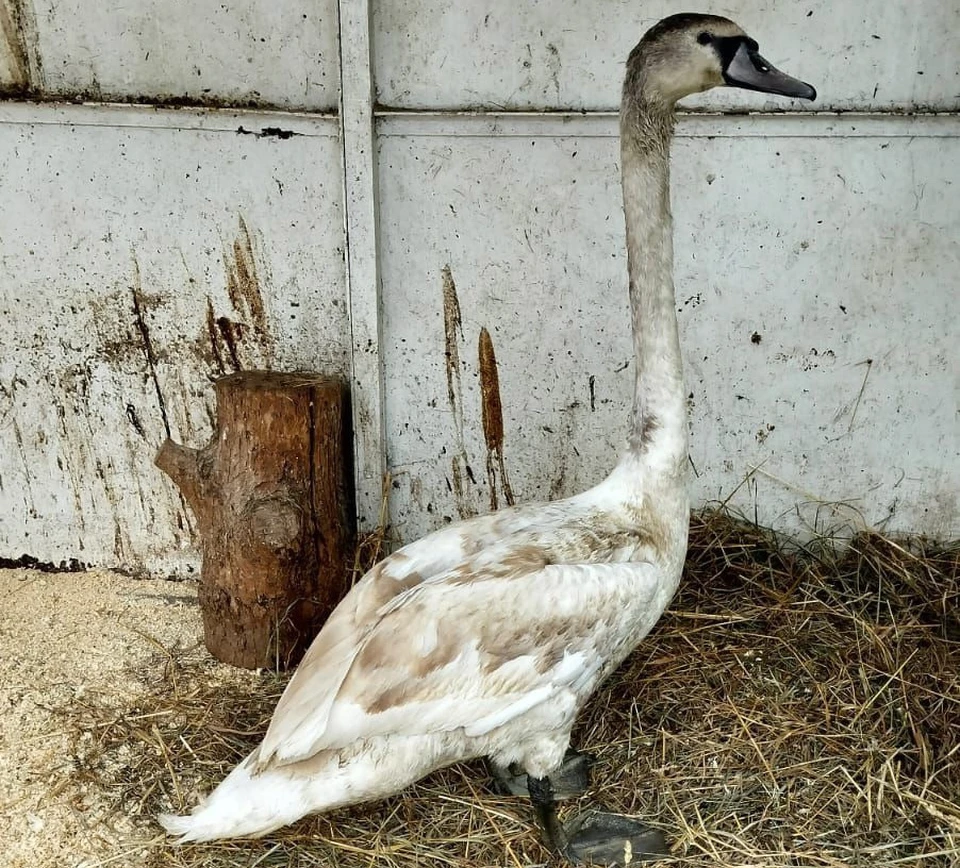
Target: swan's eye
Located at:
point(705, 38)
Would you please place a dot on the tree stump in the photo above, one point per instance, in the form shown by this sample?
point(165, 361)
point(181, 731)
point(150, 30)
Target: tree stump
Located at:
point(272, 495)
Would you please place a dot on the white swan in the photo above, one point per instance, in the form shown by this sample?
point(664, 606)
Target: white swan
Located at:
point(486, 638)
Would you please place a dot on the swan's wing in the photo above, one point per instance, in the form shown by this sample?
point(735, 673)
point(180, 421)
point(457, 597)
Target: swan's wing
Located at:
point(428, 559)
point(309, 696)
point(471, 652)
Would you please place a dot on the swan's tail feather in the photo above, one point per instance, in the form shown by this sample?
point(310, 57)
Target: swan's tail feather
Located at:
point(186, 828)
point(243, 806)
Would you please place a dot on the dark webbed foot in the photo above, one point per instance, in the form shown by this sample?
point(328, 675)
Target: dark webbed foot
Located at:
point(570, 781)
point(599, 838)
point(595, 838)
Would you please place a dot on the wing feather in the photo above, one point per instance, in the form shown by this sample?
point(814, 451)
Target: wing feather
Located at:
point(305, 705)
point(500, 644)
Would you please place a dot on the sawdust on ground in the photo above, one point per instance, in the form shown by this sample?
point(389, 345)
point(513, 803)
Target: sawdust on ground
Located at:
point(62, 635)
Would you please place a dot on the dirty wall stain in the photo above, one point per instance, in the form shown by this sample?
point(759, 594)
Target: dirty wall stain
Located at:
point(243, 286)
point(246, 340)
point(224, 343)
point(452, 323)
point(452, 326)
point(212, 332)
point(136, 349)
point(19, 49)
point(492, 418)
point(139, 307)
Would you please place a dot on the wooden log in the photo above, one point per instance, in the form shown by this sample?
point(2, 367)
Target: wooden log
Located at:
point(272, 494)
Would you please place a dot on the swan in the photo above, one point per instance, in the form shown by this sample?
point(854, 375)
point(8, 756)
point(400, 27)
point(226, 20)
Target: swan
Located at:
point(486, 638)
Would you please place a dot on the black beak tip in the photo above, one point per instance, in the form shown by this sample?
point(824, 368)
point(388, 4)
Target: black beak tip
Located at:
point(812, 93)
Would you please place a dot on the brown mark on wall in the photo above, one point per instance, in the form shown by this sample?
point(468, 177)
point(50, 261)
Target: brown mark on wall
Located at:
point(492, 410)
point(243, 283)
point(140, 304)
point(243, 340)
point(75, 434)
point(452, 323)
point(452, 327)
point(18, 32)
point(216, 354)
point(556, 486)
point(231, 333)
point(564, 447)
point(27, 467)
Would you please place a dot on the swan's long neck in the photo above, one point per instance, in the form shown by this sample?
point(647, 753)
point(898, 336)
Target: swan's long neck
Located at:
point(658, 434)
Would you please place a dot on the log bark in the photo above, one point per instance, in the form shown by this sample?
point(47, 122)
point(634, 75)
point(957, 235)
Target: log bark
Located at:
point(272, 495)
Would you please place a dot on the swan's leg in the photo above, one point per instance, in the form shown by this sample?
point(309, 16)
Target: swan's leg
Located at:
point(595, 838)
point(571, 780)
point(541, 794)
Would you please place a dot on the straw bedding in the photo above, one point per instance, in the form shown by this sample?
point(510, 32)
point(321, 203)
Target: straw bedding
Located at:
point(796, 706)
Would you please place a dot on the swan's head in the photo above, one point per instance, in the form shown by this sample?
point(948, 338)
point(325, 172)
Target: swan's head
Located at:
point(688, 53)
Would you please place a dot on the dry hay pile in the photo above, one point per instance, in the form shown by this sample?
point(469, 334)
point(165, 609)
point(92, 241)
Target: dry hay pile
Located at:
point(792, 708)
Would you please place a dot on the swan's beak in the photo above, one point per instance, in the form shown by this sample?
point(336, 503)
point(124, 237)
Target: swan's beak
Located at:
point(747, 69)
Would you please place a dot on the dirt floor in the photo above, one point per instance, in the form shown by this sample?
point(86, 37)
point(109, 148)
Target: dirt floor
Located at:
point(61, 636)
point(791, 709)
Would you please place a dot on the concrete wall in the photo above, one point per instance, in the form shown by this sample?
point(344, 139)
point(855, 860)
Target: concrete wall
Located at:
point(374, 228)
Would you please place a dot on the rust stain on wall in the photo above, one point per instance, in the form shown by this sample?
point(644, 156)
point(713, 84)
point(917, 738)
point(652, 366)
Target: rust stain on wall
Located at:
point(245, 339)
point(452, 334)
point(231, 333)
point(212, 332)
point(224, 343)
point(492, 416)
point(19, 48)
point(243, 286)
point(452, 323)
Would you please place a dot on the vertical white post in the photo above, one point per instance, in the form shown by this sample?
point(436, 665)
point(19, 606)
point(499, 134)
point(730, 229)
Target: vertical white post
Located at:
point(358, 139)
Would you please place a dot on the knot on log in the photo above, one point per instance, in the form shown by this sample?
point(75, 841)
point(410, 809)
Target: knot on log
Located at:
point(275, 522)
